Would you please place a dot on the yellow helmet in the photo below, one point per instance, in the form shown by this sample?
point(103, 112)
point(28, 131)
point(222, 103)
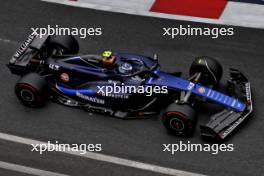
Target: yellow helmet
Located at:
point(107, 54)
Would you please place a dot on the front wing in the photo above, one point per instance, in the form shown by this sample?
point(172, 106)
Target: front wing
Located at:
point(226, 121)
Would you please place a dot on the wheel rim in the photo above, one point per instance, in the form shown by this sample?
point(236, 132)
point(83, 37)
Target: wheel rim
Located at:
point(27, 96)
point(176, 124)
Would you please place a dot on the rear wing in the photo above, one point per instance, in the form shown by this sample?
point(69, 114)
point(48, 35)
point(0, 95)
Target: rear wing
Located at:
point(28, 49)
point(33, 42)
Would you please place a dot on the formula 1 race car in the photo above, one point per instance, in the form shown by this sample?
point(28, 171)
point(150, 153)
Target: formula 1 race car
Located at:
point(50, 68)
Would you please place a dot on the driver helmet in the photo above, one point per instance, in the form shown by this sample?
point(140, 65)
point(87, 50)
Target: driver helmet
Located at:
point(108, 59)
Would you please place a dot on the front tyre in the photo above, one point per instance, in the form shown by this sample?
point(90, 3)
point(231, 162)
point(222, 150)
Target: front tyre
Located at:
point(179, 119)
point(31, 90)
point(210, 69)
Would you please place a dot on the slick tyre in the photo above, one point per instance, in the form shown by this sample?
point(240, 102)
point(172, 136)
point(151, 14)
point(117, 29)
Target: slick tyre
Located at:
point(179, 119)
point(210, 69)
point(31, 90)
point(64, 44)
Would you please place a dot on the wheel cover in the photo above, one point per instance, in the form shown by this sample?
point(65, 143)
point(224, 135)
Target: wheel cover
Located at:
point(27, 96)
point(176, 124)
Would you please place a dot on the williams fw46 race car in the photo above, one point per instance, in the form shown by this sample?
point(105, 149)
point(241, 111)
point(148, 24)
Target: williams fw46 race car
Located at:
point(51, 68)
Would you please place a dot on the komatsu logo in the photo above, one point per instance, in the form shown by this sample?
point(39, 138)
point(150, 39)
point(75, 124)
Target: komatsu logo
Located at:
point(231, 128)
point(248, 95)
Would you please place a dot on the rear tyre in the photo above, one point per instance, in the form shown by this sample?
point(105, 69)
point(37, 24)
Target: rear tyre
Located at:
point(179, 119)
point(31, 90)
point(64, 44)
point(210, 68)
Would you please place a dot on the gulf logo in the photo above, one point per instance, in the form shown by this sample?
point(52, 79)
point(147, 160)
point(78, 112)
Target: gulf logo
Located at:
point(201, 90)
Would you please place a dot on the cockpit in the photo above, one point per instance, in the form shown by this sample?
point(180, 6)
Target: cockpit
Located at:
point(120, 64)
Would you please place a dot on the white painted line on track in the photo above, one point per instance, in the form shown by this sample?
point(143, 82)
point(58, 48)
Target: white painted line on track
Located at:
point(28, 170)
point(105, 158)
point(8, 41)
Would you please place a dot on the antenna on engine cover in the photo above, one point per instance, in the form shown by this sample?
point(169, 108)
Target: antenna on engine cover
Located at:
point(155, 57)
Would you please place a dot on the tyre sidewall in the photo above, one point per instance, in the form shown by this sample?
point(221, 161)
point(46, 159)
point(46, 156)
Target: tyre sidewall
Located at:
point(184, 117)
point(31, 90)
point(210, 68)
point(36, 99)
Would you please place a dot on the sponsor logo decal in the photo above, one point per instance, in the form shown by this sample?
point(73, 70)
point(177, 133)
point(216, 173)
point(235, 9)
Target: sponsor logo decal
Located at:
point(65, 77)
point(54, 67)
point(190, 86)
point(23, 47)
point(201, 90)
point(231, 128)
point(248, 94)
point(92, 99)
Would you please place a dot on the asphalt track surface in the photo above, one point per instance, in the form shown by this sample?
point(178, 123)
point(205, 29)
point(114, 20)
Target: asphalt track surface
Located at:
point(139, 140)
